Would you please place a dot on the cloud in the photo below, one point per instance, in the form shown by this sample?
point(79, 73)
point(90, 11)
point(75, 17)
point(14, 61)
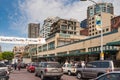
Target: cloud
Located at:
point(38, 10)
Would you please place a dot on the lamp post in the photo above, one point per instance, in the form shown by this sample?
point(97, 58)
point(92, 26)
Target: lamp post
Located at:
point(99, 26)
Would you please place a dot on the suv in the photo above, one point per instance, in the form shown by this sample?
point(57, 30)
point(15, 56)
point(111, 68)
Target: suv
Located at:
point(96, 68)
point(49, 69)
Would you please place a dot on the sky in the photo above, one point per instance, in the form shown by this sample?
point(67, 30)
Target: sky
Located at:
point(15, 15)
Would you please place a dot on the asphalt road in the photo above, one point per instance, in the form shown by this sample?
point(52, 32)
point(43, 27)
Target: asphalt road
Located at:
point(24, 75)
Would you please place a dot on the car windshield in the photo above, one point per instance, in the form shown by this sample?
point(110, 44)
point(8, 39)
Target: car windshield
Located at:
point(53, 65)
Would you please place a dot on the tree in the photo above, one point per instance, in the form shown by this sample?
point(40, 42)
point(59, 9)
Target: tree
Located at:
point(1, 57)
point(7, 55)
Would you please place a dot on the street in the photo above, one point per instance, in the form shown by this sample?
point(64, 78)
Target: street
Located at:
point(24, 75)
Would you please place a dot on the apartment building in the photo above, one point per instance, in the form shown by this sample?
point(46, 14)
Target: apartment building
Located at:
point(100, 7)
point(106, 23)
point(115, 23)
point(66, 40)
point(18, 51)
point(45, 30)
point(66, 27)
point(33, 30)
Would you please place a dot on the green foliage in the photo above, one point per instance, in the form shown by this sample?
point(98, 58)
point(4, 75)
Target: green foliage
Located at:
point(7, 55)
point(1, 57)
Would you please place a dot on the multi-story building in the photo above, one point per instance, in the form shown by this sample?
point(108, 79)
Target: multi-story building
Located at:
point(115, 23)
point(83, 23)
point(18, 51)
point(45, 30)
point(98, 8)
point(84, 32)
point(105, 11)
point(106, 23)
point(33, 30)
point(66, 43)
point(85, 48)
point(66, 27)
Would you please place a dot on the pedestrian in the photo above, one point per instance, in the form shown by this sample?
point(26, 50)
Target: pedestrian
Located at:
point(19, 65)
point(83, 64)
point(15, 66)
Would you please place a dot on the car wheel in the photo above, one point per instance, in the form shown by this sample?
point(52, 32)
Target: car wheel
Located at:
point(36, 74)
point(79, 75)
point(30, 70)
point(69, 73)
point(42, 76)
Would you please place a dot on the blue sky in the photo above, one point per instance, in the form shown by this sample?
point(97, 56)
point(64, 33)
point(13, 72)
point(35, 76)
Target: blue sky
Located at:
point(15, 15)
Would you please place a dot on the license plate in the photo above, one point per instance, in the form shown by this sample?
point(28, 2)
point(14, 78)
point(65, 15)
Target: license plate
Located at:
point(54, 70)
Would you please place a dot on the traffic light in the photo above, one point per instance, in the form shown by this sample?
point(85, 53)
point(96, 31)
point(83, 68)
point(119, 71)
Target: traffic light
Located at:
point(98, 22)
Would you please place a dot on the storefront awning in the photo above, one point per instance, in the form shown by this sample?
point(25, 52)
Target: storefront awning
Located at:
point(115, 43)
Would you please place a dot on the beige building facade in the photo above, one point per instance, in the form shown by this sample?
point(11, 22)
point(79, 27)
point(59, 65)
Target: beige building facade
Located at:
point(80, 47)
point(106, 23)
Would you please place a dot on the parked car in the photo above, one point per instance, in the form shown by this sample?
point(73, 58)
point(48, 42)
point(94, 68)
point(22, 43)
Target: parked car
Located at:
point(4, 73)
point(49, 69)
point(70, 68)
point(31, 66)
point(96, 68)
point(114, 75)
point(23, 65)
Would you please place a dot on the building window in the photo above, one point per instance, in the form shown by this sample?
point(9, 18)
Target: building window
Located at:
point(107, 29)
point(40, 49)
point(45, 47)
point(93, 22)
point(103, 30)
point(51, 45)
point(96, 32)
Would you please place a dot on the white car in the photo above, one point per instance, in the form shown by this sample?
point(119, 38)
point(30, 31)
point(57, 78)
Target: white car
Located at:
point(114, 75)
point(69, 68)
point(4, 67)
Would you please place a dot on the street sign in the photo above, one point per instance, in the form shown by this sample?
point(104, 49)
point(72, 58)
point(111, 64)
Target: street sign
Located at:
point(98, 22)
point(17, 40)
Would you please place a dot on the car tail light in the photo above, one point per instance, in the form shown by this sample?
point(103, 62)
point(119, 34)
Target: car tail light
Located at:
point(46, 70)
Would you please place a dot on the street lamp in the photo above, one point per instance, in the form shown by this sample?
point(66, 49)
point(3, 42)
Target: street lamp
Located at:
point(89, 0)
point(98, 27)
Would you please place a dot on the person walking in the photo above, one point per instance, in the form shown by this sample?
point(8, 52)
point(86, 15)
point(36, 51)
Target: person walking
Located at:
point(15, 66)
point(19, 65)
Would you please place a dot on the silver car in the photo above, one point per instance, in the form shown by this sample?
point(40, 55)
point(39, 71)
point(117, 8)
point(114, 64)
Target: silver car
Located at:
point(49, 69)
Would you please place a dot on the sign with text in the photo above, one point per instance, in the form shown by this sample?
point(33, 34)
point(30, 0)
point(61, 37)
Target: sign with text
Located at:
point(16, 40)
